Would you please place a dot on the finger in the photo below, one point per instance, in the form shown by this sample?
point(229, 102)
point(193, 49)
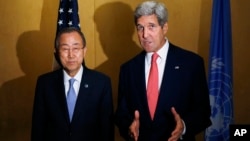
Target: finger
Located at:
point(137, 124)
point(136, 138)
point(179, 126)
point(173, 138)
point(176, 117)
point(175, 135)
point(136, 119)
point(137, 115)
point(134, 134)
point(179, 122)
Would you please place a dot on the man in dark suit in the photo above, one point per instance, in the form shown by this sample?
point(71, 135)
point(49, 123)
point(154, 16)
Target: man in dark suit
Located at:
point(166, 99)
point(82, 111)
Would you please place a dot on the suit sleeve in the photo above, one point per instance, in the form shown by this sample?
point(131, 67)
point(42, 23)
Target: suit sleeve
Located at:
point(38, 115)
point(107, 125)
point(199, 117)
point(123, 118)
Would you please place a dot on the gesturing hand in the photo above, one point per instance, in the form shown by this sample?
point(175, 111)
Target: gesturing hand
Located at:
point(134, 127)
point(176, 134)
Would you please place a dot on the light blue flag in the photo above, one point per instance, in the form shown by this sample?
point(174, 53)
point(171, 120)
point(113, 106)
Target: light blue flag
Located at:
point(220, 73)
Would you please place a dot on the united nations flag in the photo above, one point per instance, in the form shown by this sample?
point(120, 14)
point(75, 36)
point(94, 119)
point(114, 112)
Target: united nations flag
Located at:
point(220, 73)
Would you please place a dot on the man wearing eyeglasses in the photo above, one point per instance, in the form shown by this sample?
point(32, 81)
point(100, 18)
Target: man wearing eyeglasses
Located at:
point(73, 103)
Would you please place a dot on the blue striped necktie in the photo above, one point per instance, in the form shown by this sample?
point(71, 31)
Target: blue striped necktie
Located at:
point(71, 98)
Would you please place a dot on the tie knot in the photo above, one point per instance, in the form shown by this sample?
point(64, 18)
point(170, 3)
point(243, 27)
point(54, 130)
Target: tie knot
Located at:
point(154, 57)
point(71, 81)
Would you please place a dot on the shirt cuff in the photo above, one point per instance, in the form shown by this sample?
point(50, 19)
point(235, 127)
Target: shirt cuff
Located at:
point(184, 131)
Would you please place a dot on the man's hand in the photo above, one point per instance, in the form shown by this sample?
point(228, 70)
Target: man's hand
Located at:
point(176, 134)
point(134, 127)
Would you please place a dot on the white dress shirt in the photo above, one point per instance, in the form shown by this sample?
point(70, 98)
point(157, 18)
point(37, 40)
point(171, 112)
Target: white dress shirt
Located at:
point(161, 61)
point(76, 85)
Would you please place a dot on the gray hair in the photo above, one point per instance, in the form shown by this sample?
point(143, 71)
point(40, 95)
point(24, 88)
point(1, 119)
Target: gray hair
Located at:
point(69, 30)
point(150, 8)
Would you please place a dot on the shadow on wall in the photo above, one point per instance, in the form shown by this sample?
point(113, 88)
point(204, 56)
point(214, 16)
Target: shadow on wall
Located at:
point(16, 96)
point(204, 34)
point(203, 41)
point(115, 25)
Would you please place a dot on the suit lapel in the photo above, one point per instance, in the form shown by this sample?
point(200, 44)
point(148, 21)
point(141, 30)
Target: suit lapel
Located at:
point(141, 82)
point(60, 91)
point(168, 78)
point(82, 95)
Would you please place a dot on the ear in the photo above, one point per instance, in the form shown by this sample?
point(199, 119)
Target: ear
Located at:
point(84, 51)
point(165, 28)
point(56, 55)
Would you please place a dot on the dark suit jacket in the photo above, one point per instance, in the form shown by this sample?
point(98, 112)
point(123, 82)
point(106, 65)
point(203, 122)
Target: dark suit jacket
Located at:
point(93, 115)
point(183, 86)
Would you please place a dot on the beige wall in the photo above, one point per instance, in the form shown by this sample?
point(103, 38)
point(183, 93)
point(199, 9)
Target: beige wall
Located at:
point(27, 30)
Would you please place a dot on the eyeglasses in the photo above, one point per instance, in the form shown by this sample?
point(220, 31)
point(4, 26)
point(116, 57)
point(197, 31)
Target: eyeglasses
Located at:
point(67, 50)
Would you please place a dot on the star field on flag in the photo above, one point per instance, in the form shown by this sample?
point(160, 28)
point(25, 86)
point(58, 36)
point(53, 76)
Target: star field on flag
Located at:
point(67, 17)
point(68, 14)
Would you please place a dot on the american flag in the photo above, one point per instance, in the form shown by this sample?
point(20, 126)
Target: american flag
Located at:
point(68, 14)
point(67, 17)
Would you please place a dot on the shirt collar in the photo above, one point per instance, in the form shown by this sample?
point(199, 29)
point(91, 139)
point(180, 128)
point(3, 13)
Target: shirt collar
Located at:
point(162, 52)
point(77, 77)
